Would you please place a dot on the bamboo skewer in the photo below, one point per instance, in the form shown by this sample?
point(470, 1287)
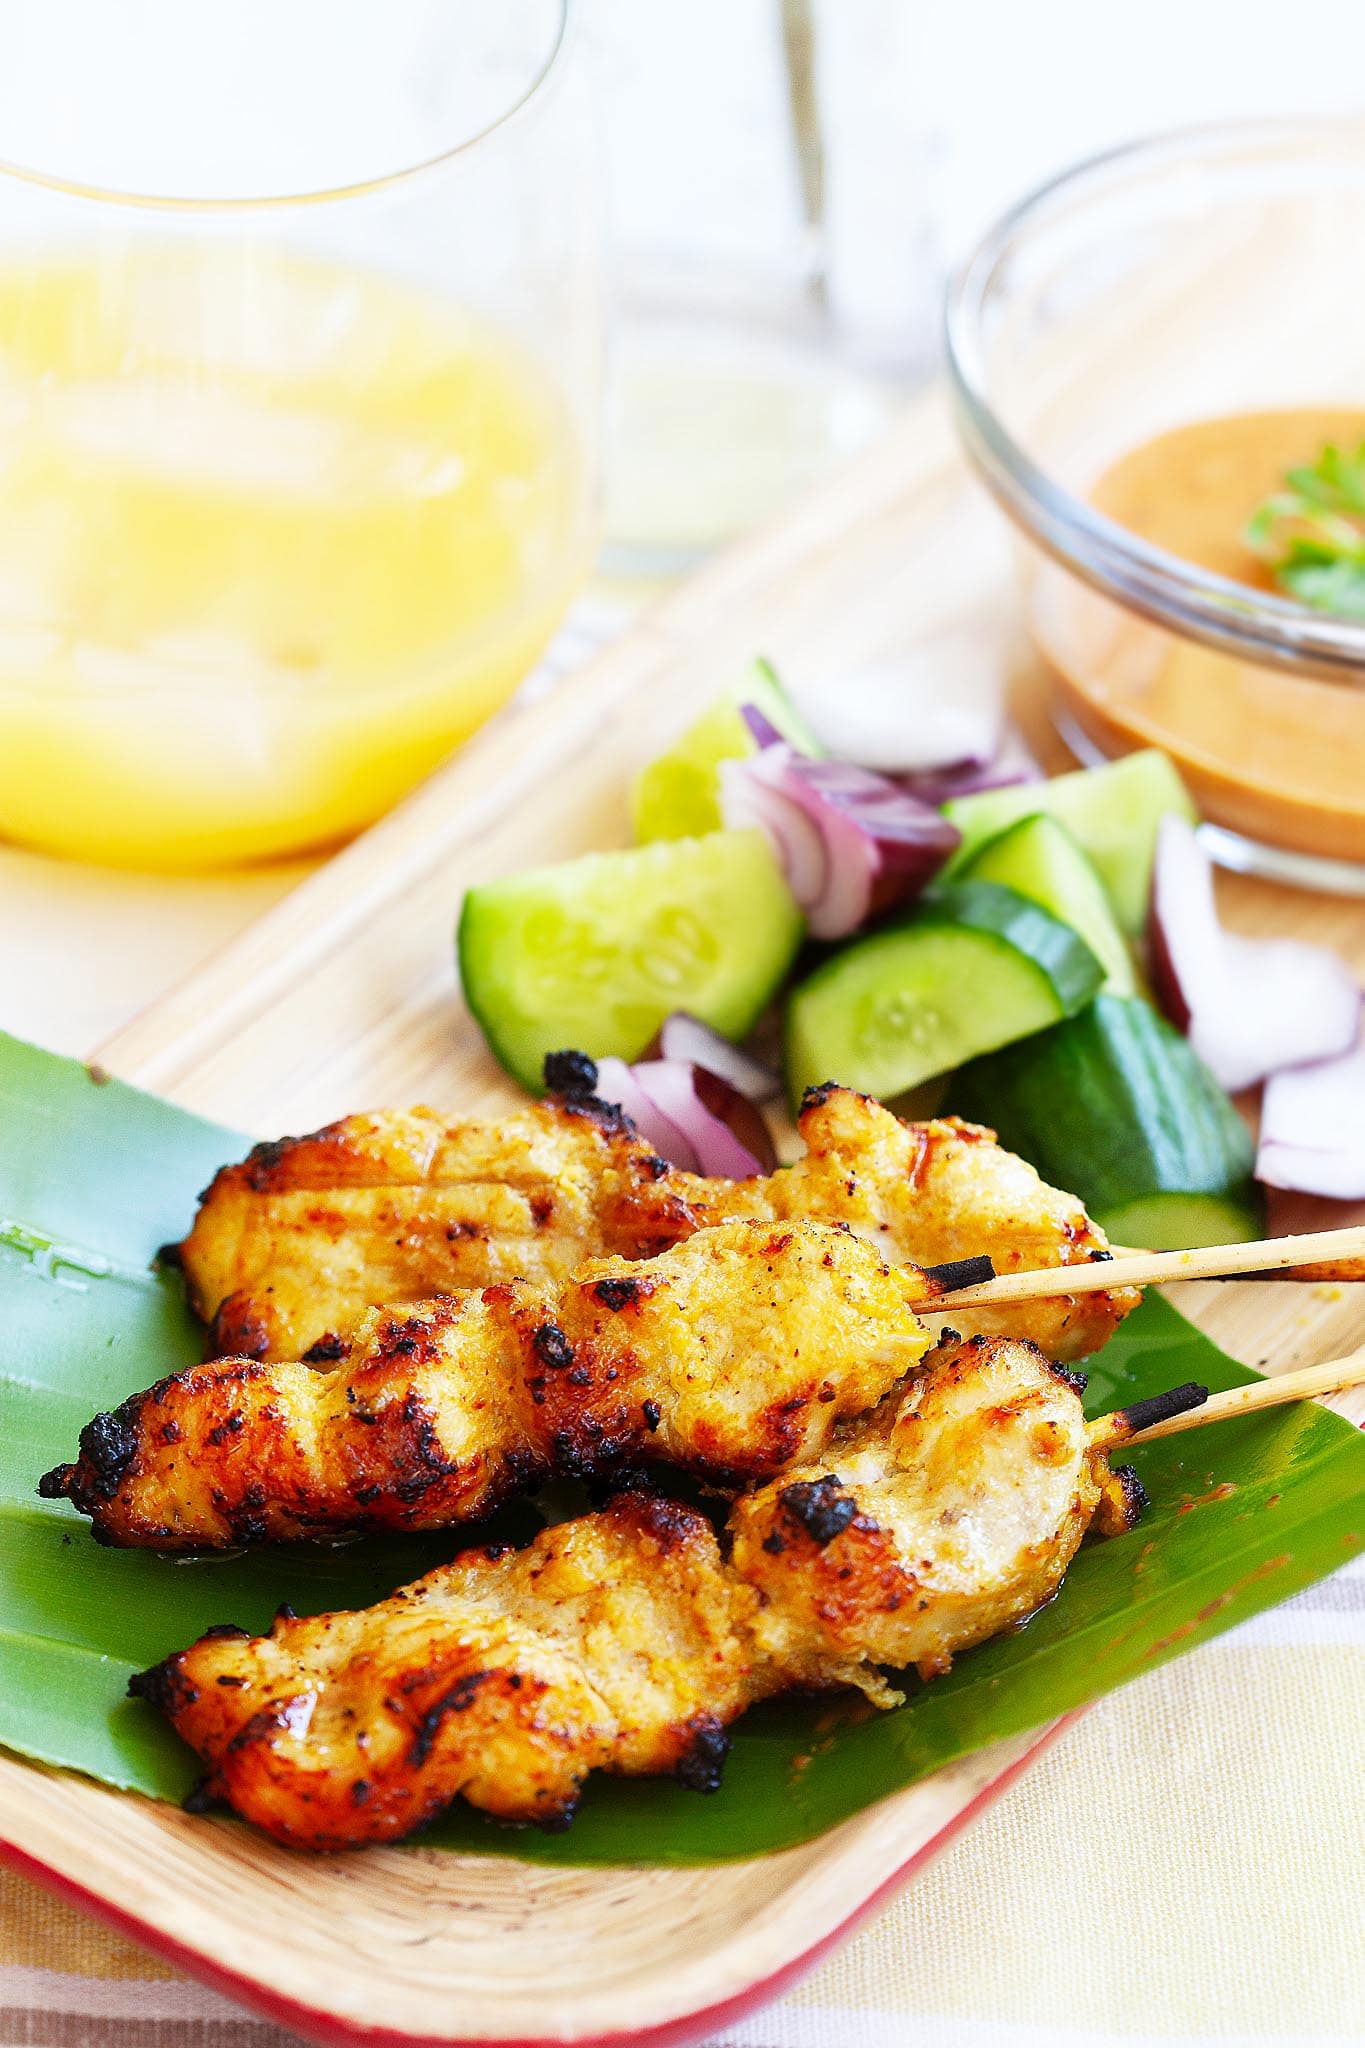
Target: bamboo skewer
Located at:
point(1152, 1269)
point(1191, 1406)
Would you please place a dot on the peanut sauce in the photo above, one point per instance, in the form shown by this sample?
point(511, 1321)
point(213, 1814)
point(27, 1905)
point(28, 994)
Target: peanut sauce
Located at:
point(1276, 756)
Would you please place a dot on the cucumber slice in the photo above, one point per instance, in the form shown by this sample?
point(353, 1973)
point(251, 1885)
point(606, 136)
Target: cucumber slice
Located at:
point(1112, 811)
point(1179, 1223)
point(970, 968)
point(1040, 859)
point(678, 795)
point(596, 952)
point(1114, 1105)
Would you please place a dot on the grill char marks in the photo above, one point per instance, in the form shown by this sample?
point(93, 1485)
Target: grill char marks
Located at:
point(570, 1073)
point(239, 1329)
point(629, 1640)
point(551, 1346)
point(820, 1506)
point(728, 1357)
point(108, 1448)
point(464, 1694)
point(701, 1765)
point(618, 1294)
point(328, 1349)
point(293, 1245)
point(1122, 1500)
point(458, 1700)
point(108, 1452)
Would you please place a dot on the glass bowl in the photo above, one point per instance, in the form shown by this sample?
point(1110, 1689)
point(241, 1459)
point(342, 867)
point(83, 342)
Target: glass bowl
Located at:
point(1182, 280)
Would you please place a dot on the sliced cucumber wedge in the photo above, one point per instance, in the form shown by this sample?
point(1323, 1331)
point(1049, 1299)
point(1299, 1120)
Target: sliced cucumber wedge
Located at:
point(595, 953)
point(1040, 858)
point(970, 968)
point(1112, 811)
point(1179, 1223)
point(1114, 1105)
point(678, 795)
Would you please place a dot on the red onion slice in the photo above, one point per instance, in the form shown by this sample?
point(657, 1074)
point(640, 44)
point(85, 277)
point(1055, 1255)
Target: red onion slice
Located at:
point(762, 731)
point(701, 1105)
point(684, 1037)
point(692, 1118)
point(619, 1083)
point(755, 792)
point(1011, 767)
point(851, 843)
point(1006, 769)
point(1249, 1007)
point(1313, 1128)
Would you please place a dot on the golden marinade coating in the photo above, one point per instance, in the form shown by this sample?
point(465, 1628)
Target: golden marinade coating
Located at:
point(615, 1642)
point(293, 1245)
point(973, 1488)
point(628, 1640)
point(731, 1356)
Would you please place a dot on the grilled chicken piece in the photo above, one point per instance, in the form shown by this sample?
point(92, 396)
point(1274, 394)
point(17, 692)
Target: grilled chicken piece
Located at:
point(616, 1642)
point(626, 1641)
point(959, 1504)
point(731, 1356)
point(293, 1245)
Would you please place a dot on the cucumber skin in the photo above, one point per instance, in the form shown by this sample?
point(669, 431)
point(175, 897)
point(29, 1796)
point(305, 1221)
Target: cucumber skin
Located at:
point(1062, 954)
point(1058, 954)
point(482, 932)
point(1010, 858)
point(1123, 857)
point(771, 696)
point(1115, 1106)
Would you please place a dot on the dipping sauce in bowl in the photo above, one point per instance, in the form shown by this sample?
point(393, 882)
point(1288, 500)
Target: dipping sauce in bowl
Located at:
point(1140, 353)
point(1275, 756)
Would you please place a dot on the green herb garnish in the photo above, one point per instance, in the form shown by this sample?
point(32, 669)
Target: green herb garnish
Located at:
point(1312, 532)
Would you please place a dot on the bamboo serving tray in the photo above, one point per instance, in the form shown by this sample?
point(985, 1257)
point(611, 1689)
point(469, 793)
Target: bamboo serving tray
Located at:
point(345, 996)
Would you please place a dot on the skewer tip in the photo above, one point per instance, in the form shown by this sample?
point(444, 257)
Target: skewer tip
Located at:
point(1123, 1423)
point(953, 1274)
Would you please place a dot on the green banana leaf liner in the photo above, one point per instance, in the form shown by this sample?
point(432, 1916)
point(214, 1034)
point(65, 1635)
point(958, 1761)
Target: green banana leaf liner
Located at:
point(94, 1177)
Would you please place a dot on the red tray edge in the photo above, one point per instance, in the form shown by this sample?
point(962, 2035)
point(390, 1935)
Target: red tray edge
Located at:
point(327, 2029)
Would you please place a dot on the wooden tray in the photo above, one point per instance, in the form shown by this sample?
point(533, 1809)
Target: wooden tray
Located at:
point(344, 996)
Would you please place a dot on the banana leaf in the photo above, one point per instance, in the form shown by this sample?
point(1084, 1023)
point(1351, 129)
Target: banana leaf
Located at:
point(94, 1177)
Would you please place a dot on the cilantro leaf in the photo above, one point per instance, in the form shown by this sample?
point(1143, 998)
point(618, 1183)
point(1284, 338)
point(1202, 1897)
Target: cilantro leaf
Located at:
point(1312, 532)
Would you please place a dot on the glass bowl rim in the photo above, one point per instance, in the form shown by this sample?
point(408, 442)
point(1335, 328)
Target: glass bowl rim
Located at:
point(1232, 617)
point(232, 203)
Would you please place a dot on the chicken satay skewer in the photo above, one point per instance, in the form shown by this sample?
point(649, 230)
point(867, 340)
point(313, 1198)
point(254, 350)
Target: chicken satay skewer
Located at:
point(1192, 1406)
point(627, 1640)
point(296, 1242)
point(731, 1356)
point(1155, 1269)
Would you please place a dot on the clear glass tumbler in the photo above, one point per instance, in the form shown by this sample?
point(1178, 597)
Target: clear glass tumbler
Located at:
point(300, 341)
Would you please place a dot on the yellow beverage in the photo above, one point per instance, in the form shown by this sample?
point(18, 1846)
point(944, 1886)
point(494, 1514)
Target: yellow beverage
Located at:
point(274, 537)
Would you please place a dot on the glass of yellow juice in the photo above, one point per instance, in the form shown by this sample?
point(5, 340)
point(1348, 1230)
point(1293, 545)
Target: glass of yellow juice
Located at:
point(299, 357)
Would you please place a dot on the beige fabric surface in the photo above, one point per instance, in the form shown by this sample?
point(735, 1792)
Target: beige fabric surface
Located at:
point(1186, 1864)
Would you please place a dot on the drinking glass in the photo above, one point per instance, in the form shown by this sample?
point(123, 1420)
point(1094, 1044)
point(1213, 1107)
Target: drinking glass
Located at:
point(779, 279)
point(299, 361)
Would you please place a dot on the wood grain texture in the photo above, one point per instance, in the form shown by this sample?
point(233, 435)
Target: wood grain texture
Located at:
point(439, 1948)
point(343, 997)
